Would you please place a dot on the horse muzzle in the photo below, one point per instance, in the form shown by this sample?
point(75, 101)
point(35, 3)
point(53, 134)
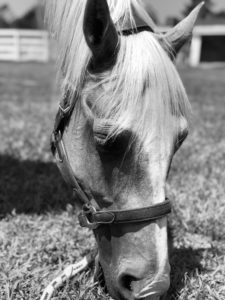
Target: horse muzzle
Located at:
point(130, 287)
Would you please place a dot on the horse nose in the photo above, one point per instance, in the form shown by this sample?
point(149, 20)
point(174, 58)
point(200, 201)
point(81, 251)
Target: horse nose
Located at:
point(126, 282)
point(131, 284)
point(139, 283)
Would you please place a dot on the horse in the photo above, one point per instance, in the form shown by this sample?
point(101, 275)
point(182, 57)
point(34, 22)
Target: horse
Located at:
point(124, 115)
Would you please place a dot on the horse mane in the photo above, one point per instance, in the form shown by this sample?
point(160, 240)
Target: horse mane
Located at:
point(143, 85)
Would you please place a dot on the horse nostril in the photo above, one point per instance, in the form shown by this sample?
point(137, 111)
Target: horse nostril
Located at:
point(126, 282)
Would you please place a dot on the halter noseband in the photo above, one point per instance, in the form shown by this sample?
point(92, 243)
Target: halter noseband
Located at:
point(91, 217)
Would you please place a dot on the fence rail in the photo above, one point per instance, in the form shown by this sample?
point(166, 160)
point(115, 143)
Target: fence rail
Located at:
point(24, 45)
point(34, 45)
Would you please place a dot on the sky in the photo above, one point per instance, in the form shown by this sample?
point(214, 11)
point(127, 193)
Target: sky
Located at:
point(163, 8)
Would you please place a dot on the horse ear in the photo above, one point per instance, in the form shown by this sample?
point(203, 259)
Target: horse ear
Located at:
point(100, 33)
point(182, 32)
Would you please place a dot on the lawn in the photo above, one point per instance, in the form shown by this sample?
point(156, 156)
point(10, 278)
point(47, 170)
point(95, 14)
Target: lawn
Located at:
point(39, 233)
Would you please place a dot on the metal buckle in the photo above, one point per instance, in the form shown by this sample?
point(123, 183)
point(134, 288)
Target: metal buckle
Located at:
point(64, 110)
point(88, 211)
point(87, 217)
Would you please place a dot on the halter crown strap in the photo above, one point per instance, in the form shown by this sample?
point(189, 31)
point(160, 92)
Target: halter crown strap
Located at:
point(135, 30)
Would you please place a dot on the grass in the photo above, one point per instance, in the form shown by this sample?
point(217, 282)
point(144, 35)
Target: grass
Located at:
point(39, 233)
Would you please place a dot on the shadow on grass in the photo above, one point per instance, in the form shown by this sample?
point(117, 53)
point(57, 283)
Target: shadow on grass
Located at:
point(37, 187)
point(184, 263)
point(31, 187)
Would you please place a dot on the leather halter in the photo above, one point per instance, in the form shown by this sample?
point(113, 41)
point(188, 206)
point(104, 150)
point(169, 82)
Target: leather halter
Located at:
point(135, 30)
point(91, 217)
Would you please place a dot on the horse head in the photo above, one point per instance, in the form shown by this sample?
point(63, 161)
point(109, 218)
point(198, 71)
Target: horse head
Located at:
point(129, 119)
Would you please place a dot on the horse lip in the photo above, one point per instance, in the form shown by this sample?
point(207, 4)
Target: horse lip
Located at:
point(153, 291)
point(149, 297)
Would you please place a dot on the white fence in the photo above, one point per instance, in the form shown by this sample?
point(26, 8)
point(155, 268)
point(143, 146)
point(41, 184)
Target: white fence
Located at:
point(24, 45)
point(33, 45)
point(196, 43)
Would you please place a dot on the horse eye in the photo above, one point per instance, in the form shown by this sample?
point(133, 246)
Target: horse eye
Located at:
point(181, 138)
point(111, 146)
point(107, 145)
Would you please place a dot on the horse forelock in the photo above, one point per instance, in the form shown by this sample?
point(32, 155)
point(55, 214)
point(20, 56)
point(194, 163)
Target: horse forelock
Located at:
point(143, 85)
point(142, 92)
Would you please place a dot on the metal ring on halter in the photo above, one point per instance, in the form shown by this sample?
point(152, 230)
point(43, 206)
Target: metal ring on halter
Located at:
point(64, 110)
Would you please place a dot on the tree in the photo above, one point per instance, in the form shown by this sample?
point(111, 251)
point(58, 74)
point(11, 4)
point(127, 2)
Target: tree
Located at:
point(206, 10)
point(33, 19)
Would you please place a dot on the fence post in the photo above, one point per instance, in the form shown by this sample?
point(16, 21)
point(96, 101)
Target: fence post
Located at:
point(17, 44)
point(195, 51)
point(47, 50)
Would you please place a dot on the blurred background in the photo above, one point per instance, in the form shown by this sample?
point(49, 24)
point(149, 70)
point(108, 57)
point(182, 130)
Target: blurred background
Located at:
point(33, 196)
point(207, 45)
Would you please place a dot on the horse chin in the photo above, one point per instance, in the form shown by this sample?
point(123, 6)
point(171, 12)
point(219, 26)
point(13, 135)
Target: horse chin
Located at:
point(152, 298)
